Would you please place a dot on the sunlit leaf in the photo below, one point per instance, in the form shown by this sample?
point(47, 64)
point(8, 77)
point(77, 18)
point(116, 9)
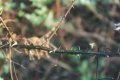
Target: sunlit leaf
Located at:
point(41, 11)
point(21, 13)
point(22, 6)
point(34, 19)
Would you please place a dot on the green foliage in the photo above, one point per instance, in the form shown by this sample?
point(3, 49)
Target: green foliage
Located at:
point(89, 3)
point(40, 15)
point(9, 6)
point(34, 19)
point(49, 22)
point(38, 3)
point(22, 6)
point(6, 69)
point(65, 2)
point(84, 67)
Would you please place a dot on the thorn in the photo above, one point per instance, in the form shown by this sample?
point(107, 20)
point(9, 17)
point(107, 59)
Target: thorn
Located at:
point(53, 51)
point(50, 51)
point(14, 44)
point(92, 45)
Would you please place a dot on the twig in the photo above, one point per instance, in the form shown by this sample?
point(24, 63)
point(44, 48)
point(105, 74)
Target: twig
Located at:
point(7, 29)
point(6, 21)
point(51, 33)
point(15, 71)
point(19, 64)
point(63, 18)
point(4, 45)
point(10, 57)
point(12, 60)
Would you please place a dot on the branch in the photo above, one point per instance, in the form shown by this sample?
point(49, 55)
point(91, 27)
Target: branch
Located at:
point(52, 51)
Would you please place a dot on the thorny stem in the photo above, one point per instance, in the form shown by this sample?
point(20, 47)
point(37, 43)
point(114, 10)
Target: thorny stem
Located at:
point(52, 51)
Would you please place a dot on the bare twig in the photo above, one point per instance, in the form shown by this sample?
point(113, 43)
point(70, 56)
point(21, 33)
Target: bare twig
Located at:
point(4, 45)
point(63, 18)
point(15, 71)
point(10, 59)
point(5, 56)
point(51, 33)
point(10, 33)
point(6, 21)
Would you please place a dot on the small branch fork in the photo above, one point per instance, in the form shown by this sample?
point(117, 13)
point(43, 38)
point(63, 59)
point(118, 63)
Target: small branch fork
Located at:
point(52, 51)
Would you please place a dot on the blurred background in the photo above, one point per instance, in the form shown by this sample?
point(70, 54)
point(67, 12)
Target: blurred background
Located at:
point(89, 27)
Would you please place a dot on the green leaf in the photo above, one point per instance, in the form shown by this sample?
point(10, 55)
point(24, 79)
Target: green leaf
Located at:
point(65, 2)
point(102, 63)
point(49, 22)
point(34, 19)
point(21, 13)
point(84, 66)
point(1, 11)
point(89, 3)
point(41, 2)
point(22, 6)
point(6, 68)
point(41, 11)
point(9, 6)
